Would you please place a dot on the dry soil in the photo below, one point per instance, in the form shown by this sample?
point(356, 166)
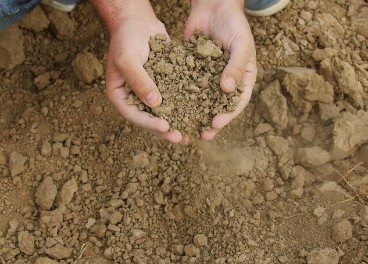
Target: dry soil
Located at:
point(286, 182)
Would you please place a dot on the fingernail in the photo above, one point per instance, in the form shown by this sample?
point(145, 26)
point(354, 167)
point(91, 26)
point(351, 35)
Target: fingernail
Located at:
point(152, 98)
point(230, 83)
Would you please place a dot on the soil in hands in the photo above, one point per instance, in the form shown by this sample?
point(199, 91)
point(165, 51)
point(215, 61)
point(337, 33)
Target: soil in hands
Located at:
point(188, 77)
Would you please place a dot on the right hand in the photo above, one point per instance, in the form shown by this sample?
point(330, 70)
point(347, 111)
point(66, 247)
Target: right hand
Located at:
point(128, 52)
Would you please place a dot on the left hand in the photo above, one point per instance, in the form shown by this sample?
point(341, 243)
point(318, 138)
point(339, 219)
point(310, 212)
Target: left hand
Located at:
point(224, 20)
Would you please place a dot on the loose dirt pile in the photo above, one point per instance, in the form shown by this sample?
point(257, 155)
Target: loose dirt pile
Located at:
point(286, 182)
point(188, 78)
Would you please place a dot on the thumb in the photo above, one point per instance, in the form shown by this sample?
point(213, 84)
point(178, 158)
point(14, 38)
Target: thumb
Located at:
point(240, 53)
point(138, 79)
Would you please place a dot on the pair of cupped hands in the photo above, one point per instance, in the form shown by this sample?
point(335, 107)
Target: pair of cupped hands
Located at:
point(222, 20)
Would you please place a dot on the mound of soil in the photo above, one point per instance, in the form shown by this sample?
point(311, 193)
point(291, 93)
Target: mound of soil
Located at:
point(188, 77)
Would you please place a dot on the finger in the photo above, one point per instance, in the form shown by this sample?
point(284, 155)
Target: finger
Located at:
point(172, 136)
point(241, 50)
point(195, 22)
point(209, 134)
point(248, 82)
point(138, 79)
point(118, 96)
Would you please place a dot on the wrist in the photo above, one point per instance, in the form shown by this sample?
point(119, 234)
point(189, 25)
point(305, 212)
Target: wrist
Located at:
point(115, 12)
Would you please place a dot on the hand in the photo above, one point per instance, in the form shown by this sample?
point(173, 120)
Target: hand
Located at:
point(128, 52)
point(224, 20)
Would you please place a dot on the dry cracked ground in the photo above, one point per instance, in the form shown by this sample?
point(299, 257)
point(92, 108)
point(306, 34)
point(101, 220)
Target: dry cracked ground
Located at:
point(286, 182)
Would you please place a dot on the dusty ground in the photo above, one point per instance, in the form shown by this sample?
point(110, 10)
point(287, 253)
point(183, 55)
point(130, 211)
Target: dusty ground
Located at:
point(286, 182)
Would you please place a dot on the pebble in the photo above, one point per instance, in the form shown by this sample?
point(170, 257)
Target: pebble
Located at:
point(200, 240)
point(46, 149)
point(323, 256)
point(16, 163)
point(46, 193)
point(342, 231)
point(26, 242)
point(115, 218)
point(67, 191)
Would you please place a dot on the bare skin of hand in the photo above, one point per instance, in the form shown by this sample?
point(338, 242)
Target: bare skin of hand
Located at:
point(224, 20)
point(128, 52)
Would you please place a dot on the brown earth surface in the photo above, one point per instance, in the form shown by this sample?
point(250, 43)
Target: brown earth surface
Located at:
point(286, 182)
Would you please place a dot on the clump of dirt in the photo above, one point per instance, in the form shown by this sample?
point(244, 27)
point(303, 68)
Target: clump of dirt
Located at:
point(188, 77)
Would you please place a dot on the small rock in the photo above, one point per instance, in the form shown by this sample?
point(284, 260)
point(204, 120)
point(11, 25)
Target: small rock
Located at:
point(64, 152)
point(272, 106)
point(90, 223)
point(312, 156)
point(3, 160)
point(141, 160)
point(200, 240)
point(87, 67)
point(36, 20)
point(26, 242)
point(349, 132)
point(61, 25)
point(11, 47)
point(95, 109)
point(60, 137)
point(208, 49)
point(13, 226)
point(191, 250)
point(67, 191)
point(45, 260)
point(323, 256)
point(46, 149)
point(59, 252)
point(342, 231)
point(43, 80)
point(158, 197)
point(115, 217)
point(46, 193)
point(16, 163)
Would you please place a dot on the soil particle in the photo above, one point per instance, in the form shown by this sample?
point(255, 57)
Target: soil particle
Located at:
point(46, 149)
point(306, 87)
point(323, 256)
point(36, 20)
point(349, 132)
point(272, 106)
point(43, 80)
point(3, 159)
point(200, 240)
point(191, 250)
point(11, 47)
point(188, 78)
point(59, 252)
point(67, 191)
point(87, 67)
point(348, 82)
point(328, 111)
point(46, 193)
point(342, 231)
point(16, 163)
point(45, 260)
point(26, 242)
point(311, 157)
point(115, 218)
point(61, 24)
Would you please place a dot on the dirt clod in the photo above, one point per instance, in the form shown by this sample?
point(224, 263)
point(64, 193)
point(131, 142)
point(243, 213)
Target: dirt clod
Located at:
point(36, 20)
point(87, 67)
point(342, 231)
point(46, 193)
point(16, 163)
point(11, 47)
point(61, 24)
point(323, 256)
point(26, 242)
